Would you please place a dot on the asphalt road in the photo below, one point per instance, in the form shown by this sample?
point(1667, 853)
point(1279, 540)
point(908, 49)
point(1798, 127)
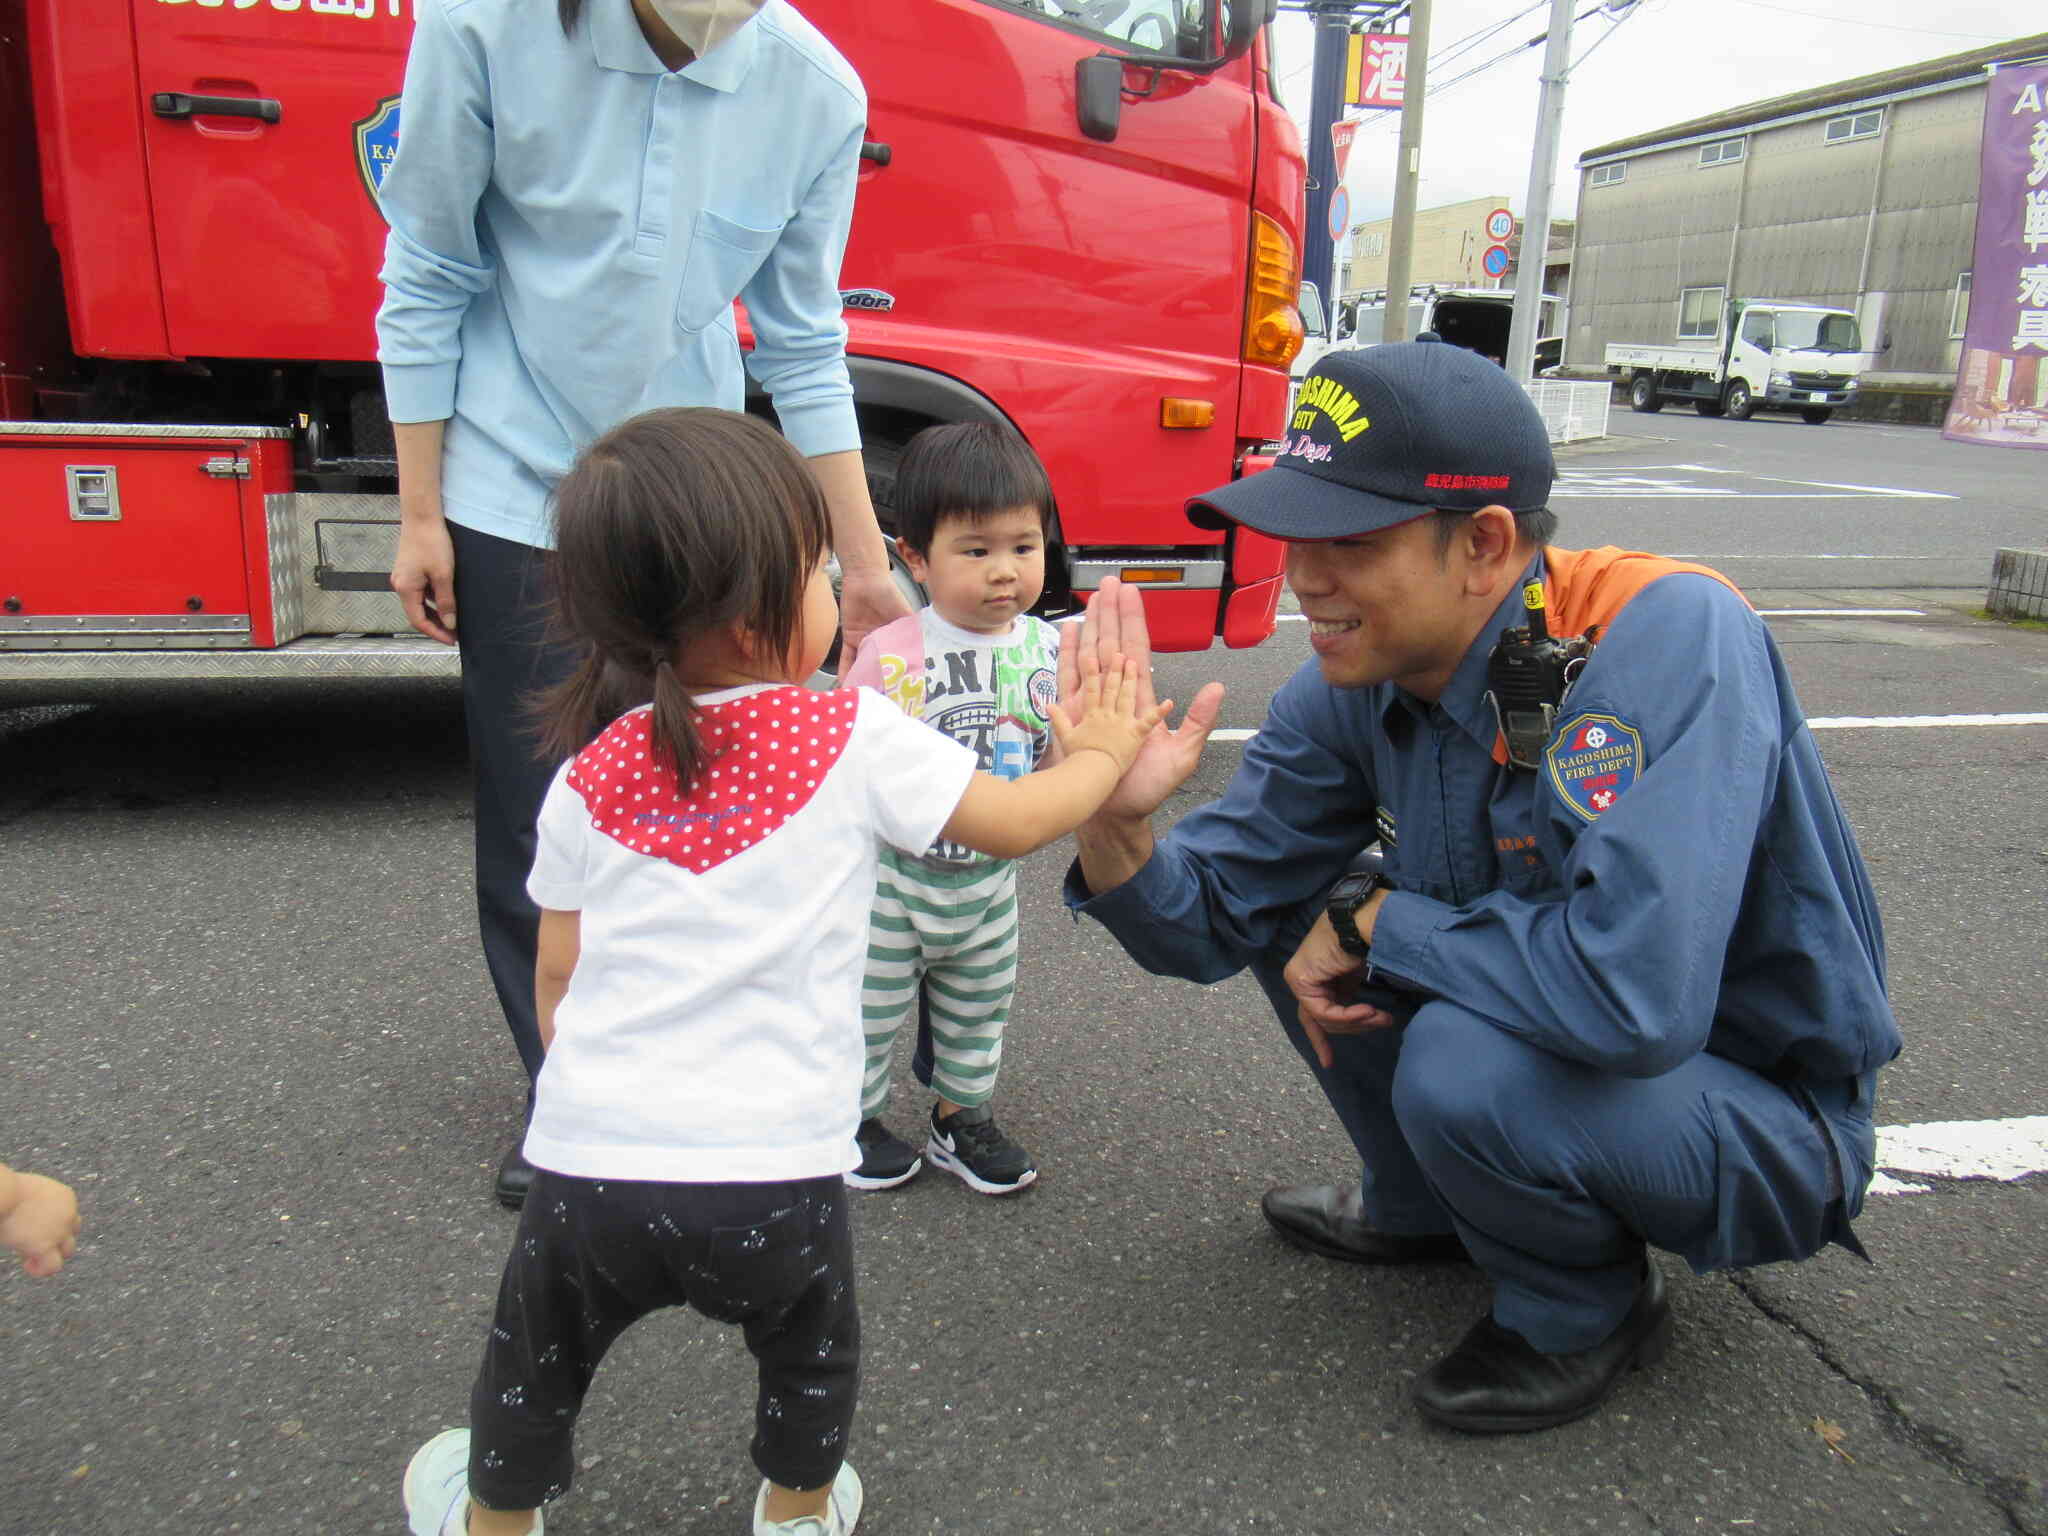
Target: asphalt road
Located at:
point(248, 1023)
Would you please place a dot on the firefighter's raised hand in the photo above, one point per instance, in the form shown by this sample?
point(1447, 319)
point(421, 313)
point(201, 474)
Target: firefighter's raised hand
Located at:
point(1115, 627)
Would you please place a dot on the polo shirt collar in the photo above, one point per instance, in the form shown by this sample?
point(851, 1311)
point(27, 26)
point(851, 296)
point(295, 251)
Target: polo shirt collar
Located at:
point(617, 42)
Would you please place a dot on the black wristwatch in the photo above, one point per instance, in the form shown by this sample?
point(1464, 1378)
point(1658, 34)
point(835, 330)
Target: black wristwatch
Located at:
point(1344, 900)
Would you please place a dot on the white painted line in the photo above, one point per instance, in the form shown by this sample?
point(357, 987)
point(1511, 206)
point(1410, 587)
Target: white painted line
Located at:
point(1960, 1149)
point(1827, 723)
point(1769, 613)
point(1841, 613)
point(1918, 722)
point(1707, 559)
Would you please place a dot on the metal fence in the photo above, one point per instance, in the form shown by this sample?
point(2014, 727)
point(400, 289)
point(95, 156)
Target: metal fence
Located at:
point(1572, 412)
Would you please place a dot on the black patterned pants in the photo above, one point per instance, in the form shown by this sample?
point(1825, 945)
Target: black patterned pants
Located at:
point(595, 1256)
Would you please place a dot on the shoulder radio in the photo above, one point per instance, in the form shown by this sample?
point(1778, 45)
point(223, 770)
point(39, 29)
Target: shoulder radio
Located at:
point(1528, 673)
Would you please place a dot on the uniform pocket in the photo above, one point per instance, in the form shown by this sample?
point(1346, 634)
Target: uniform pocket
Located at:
point(724, 256)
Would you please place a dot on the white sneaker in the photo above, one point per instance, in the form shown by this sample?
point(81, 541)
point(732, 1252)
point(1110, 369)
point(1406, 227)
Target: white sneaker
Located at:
point(841, 1511)
point(436, 1490)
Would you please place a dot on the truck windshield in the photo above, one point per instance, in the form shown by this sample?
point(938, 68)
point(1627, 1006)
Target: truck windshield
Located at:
point(1806, 330)
point(1182, 28)
point(1311, 305)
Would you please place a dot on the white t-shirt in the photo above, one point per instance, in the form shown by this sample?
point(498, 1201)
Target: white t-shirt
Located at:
point(712, 1029)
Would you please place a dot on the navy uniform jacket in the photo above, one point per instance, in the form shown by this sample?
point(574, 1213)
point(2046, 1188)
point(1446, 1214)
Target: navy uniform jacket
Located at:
point(1676, 877)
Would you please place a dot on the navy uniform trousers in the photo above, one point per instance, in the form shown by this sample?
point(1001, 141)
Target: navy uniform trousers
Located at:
point(501, 604)
point(1556, 1175)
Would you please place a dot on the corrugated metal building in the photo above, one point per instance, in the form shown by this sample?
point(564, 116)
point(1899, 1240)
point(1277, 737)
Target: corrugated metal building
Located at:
point(1861, 195)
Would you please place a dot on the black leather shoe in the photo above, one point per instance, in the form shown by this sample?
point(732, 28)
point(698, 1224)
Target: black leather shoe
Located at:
point(1497, 1382)
point(515, 1178)
point(1329, 1219)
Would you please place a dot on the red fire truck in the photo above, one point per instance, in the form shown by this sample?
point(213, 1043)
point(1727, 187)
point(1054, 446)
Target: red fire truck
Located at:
point(1080, 217)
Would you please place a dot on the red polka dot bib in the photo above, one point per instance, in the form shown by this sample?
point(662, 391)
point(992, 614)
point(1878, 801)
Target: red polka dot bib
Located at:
point(768, 754)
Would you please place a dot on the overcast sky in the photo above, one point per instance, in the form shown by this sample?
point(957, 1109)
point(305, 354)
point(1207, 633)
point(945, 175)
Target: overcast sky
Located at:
point(1669, 61)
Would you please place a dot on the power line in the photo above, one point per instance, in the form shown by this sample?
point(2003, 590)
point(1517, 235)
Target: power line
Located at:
point(1884, 26)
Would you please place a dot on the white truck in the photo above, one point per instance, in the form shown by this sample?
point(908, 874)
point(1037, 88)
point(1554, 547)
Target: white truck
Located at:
point(1474, 318)
point(1770, 355)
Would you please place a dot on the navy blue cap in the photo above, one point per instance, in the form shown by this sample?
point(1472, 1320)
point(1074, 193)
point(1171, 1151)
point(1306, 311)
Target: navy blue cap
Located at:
point(1381, 435)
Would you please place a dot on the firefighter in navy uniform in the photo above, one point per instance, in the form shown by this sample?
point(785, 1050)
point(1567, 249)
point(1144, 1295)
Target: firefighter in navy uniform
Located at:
point(1618, 981)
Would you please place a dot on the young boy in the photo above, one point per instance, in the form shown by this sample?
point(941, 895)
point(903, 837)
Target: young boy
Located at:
point(972, 507)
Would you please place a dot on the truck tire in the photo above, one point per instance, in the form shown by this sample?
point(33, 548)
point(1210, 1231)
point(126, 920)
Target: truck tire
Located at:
point(1814, 415)
point(1738, 403)
point(1643, 396)
point(1707, 407)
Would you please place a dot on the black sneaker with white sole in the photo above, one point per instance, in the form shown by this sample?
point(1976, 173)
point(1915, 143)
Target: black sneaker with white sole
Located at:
point(886, 1159)
point(969, 1144)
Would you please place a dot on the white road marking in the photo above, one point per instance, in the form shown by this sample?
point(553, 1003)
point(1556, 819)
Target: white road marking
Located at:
point(1654, 480)
point(1960, 1149)
point(1828, 723)
point(1918, 722)
point(1768, 613)
point(1842, 613)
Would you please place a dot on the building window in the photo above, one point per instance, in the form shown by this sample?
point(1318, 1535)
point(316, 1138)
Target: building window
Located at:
point(1699, 312)
point(1858, 125)
point(1723, 151)
point(1607, 175)
point(1959, 311)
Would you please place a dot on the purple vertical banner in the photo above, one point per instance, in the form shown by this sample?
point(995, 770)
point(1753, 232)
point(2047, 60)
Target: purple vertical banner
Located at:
point(2001, 393)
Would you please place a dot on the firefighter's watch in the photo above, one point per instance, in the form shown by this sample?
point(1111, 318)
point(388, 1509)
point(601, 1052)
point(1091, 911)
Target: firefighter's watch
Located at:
point(1343, 902)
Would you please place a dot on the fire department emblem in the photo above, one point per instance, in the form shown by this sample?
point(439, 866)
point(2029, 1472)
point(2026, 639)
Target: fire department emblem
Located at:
point(1592, 760)
point(376, 138)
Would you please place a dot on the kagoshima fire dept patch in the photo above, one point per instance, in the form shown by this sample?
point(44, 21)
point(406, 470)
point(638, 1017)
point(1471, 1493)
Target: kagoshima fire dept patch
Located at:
point(1592, 760)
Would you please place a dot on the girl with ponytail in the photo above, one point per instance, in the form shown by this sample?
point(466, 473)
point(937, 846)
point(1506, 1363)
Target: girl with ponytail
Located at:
point(705, 868)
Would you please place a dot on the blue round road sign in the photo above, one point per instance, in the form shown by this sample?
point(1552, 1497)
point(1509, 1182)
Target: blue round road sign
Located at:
point(1340, 212)
point(1495, 261)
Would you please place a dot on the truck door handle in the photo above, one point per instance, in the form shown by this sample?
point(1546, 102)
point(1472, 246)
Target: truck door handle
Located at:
point(879, 153)
point(177, 104)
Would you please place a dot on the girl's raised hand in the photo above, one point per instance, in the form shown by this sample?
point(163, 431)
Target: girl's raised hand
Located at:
point(1111, 719)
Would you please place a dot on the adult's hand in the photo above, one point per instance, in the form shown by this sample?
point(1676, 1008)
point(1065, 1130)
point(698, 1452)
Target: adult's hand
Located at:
point(423, 572)
point(1114, 628)
point(423, 575)
point(1323, 975)
point(868, 599)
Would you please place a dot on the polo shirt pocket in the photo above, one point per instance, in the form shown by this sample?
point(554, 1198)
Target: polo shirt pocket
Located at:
point(724, 255)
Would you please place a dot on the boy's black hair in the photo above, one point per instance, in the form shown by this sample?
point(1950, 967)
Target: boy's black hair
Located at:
point(969, 469)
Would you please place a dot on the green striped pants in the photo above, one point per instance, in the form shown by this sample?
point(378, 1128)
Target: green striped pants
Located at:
point(957, 931)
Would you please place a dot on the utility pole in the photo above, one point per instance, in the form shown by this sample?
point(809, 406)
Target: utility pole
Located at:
point(1332, 22)
point(1407, 174)
point(1521, 360)
point(1326, 103)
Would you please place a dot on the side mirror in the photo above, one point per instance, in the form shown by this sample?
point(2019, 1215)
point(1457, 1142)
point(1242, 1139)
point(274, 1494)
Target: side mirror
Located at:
point(1099, 81)
point(1099, 94)
point(1246, 17)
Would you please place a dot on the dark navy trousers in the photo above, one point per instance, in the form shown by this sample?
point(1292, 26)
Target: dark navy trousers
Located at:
point(501, 599)
point(1557, 1176)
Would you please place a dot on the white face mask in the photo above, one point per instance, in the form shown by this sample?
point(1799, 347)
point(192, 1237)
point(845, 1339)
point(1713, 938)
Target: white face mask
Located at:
point(702, 25)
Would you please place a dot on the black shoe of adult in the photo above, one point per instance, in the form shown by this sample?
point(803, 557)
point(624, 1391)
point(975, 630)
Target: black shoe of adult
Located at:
point(1496, 1382)
point(515, 1178)
point(1329, 1219)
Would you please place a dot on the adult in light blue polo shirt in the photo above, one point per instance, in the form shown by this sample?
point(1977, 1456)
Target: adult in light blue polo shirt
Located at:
point(581, 191)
